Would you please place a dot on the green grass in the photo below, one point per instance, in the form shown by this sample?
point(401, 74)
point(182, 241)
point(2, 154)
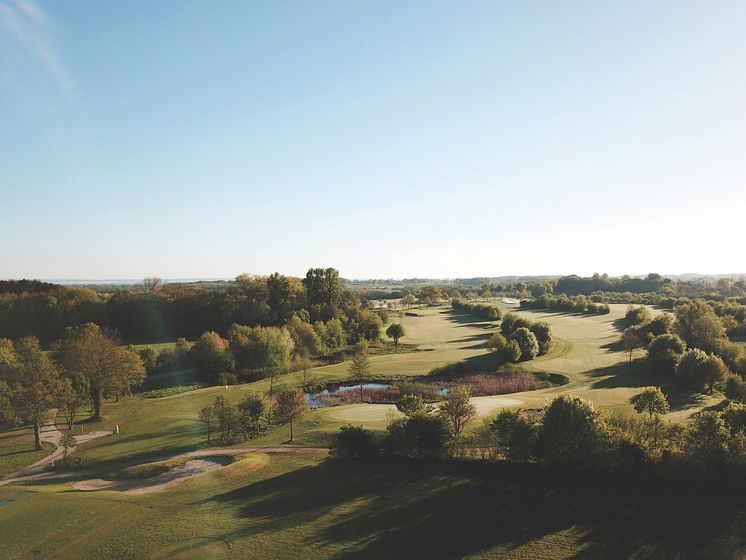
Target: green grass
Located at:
point(587, 351)
point(17, 451)
point(301, 506)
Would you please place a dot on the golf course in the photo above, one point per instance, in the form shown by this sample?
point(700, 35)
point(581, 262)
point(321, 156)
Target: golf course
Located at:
point(156, 490)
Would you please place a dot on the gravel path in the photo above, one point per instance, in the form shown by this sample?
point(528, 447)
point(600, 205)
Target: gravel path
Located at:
point(49, 434)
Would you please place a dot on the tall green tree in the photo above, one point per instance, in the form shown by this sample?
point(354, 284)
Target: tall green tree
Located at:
point(34, 384)
point(698, 325)
point(251, 409)
point(278, 297)
point(360, 366)
point(396, 331)
point(458, 409)
point(109, 367)
point(291, 407)
point(651, 400)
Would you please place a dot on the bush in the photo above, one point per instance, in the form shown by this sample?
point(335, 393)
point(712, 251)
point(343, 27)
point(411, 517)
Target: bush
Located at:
point(701, 371)
point(665, 352)
point(511, 323)
point(501, 383)
point(735, 388)
point(515, 435)
point(543, 336)
point(570, 433)
point(226, 378)
point(410, 405)
point(422, 436)
point(479, 310)
point(355, 442)
point(527, 342)
point(637, 316)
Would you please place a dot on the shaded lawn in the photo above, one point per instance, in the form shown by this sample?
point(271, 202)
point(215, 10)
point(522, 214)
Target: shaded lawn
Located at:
point(395, 508)
point(17, 451)
point(306, 507)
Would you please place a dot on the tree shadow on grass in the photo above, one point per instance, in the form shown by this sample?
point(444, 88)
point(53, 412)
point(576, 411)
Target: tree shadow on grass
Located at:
point(395, 508)
point(625, 374)
point(681, 398)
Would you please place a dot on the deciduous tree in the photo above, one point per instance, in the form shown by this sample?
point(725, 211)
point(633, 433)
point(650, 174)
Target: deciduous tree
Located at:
point(291, 407)
point(109, 367)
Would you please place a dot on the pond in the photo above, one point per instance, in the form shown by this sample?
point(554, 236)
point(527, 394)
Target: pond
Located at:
point(318, 400)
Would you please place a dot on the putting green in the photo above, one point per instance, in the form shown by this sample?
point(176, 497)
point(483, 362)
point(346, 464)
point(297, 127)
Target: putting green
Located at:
point(363, 412)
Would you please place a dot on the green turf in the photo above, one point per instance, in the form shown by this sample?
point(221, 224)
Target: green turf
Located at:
point(304, 507)
point(17, 450)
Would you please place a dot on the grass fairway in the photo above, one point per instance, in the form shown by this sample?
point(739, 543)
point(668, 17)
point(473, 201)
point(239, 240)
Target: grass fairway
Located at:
point(302, 506)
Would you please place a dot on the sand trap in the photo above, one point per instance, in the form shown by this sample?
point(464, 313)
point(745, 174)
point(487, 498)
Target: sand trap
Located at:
point(190, 468)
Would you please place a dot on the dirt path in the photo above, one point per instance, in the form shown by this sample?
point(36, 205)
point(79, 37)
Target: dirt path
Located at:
point(49, 434)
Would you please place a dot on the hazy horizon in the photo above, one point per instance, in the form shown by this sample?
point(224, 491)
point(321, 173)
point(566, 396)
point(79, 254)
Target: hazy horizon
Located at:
point(427, 139)
point(83, 281)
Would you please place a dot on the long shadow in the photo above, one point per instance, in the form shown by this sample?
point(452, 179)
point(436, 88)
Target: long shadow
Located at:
point(625, 374)
point(394, 508)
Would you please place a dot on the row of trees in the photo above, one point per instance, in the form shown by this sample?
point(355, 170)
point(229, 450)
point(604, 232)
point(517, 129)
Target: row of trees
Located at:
point(480, 310)
point(85, 366)
point(572, 304)
point(424, 430)
point(253, 413)
point(158, 311)
point(568, 432)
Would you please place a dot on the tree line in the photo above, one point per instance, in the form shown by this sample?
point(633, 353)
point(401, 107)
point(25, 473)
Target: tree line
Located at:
point(86, 365)
point(568, 433)
point(689, 346)
point(159, 312)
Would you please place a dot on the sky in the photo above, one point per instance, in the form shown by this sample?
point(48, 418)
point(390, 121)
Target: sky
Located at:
point(386, 139)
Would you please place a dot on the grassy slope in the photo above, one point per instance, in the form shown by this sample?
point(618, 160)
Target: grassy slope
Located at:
point(17, 450)
point(304, 507)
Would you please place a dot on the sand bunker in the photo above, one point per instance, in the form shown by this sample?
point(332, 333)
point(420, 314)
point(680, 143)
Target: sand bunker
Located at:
point(159, 482)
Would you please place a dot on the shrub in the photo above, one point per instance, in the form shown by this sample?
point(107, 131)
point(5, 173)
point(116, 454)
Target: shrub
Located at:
point(355, 442)
point(707, 439)
point(527, 343)
point(701, 371)
point(570, 433)
point(501, 383)
point(735, 388)
point(637, 316)
point(226, 378)
point(515, 435)
point(409, 405)
point(511, 323)
point(422, 436)
point(665, 352)
point(543, 336)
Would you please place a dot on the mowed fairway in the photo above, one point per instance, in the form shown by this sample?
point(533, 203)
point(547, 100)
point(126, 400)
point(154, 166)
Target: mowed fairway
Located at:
point(303, 506)
point(441, 337)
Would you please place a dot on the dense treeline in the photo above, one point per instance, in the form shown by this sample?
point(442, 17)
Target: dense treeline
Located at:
point(173, 310)
point(573, 304)
point(480, 310)
point(84, 366)
point(690, 345)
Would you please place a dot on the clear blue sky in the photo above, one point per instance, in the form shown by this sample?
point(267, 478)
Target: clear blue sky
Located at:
point(387, 139)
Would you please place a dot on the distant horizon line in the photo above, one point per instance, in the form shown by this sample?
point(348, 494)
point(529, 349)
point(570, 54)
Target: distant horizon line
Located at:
point(175, 280)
